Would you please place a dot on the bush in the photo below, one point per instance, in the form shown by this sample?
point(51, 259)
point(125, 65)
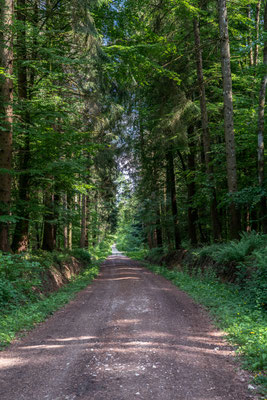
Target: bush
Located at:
point(237, 251)
point(21, 274)
point(82, 255)
point(256, 285)
point(19, 279)
point(154, 255)
point(234, 251)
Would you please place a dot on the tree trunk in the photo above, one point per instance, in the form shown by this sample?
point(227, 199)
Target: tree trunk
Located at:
point(70, 236)
point(262, 96)
point(251, 61)
point(171, 196)
point(70, 205)
point(257, 22)
point(49, 237)
point(216, 227)
point(191, 191)
point(159, 228)
point(6, 116)
point(86, 243)
point(65, 221)
point(83, 222)
point(228, 117)
point(21, 232)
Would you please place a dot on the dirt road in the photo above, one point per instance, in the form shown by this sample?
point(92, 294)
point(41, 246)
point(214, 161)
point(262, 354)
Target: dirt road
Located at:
point(130, 335)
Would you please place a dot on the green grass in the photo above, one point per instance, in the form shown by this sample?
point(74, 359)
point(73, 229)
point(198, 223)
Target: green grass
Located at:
point(245, 323)
point(137, 255)
point(24, 318)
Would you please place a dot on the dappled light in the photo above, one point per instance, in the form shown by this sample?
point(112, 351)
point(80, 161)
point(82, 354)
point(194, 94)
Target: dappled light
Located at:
point(142, 344)
point(133, 199)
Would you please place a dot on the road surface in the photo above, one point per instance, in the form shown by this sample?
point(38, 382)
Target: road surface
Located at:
point(130, 335)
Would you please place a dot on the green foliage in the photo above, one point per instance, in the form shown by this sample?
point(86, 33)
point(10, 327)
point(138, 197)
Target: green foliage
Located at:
point(129, 234)
point(82, 255)
point(244, 261)
point(256, 273)
point(234, 251)
point(130, 239)
point(155, 254)
point(103, 249)
point(23, 318)
point(19, 280)
point(137, 254)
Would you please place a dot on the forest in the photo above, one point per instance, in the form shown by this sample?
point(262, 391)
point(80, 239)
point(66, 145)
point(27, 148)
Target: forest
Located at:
point(140, 122)
point(163, 99)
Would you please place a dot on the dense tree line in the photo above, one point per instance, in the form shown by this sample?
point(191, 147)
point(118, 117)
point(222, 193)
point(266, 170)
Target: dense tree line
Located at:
point(177, 88)
point(57, 166)
point(196, 78)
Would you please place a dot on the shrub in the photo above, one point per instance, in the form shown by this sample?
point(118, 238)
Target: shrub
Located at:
point(82, 255)
point(19, 279)
point(234, 251)
point(256, 285)
point(155, 254)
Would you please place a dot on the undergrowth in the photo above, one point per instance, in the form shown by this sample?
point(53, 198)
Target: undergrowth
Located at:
point(245, 261)
point(21, 275)
point(23, 318)
point(22, 302)
point(235, 250)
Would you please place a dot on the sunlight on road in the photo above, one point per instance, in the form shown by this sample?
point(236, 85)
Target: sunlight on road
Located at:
point(116, 252)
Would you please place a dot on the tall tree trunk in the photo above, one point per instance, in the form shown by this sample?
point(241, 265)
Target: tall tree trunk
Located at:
point(228, 117)
point(70, 235)
point(216, 227)
point(257, 22)
point(65, 221)
point(191, 190)
point(171, 196)
point(50, 228)
point(21, 232)
point(251, 61)
point(83, 222)
point(69, 205)
point(159, 228)
point(6, 116)
point(86, 242)
point(262, 97)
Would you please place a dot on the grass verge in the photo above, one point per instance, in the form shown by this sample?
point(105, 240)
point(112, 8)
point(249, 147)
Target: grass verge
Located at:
point(245, 323)
point(23, 318)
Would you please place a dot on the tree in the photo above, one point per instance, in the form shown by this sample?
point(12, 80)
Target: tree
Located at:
point(262, 96)
point(228, 117)
point(205, 132)
point(6, 116)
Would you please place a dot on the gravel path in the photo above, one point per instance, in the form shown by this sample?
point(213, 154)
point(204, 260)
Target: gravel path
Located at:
point(130, 335)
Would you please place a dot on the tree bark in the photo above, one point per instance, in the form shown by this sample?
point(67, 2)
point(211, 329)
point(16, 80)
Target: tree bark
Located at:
point(262, 96)
point(65, 221)
point(257, 22)
point(50, 224)
point(21, 233)
point(83, 222)
point(171, 196)
point(216, 226)
point(86, 243)
point(69, 205)
point(251, 61)
point(6, 116)
point(228, 117)
point(159, 228)
point(191, 191)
